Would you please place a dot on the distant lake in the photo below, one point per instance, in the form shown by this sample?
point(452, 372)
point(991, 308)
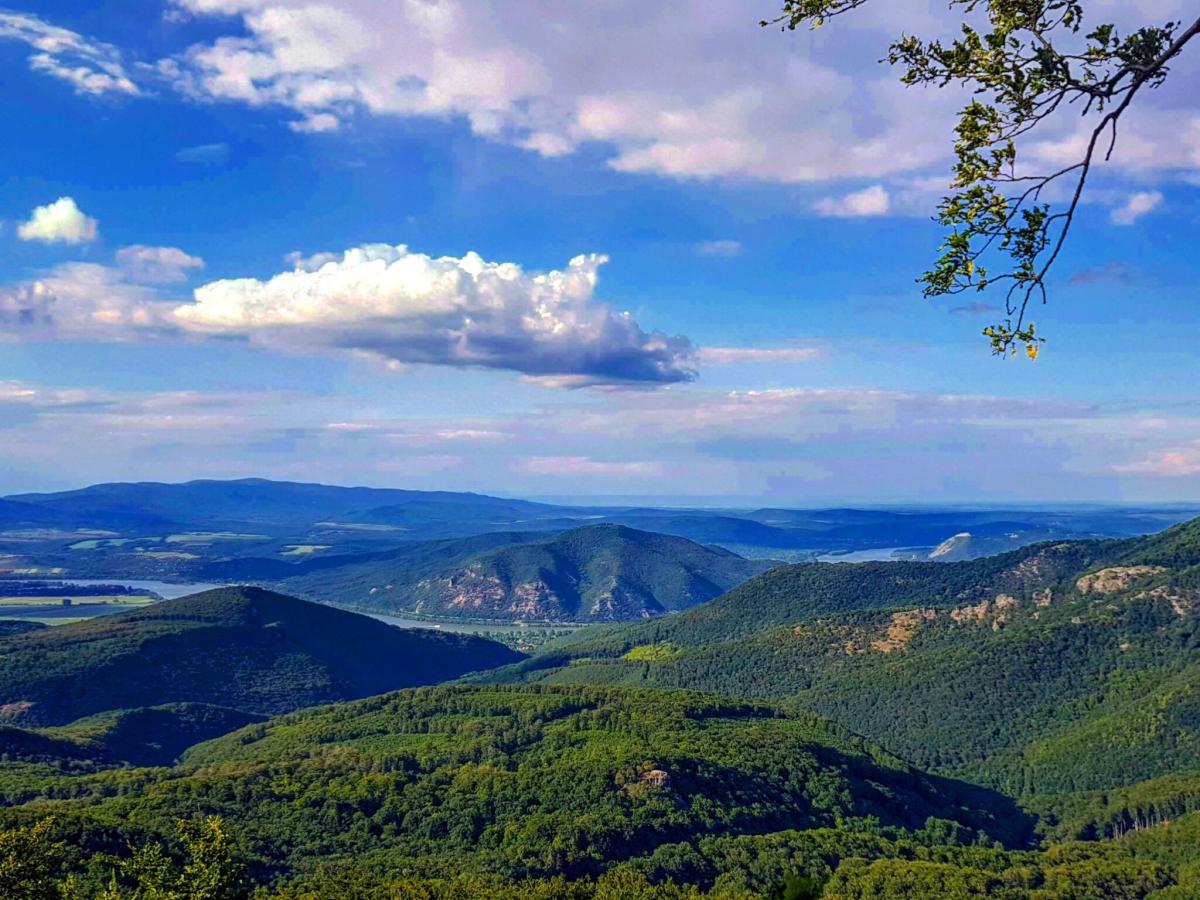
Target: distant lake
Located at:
point(878, 554)
point(164, 589)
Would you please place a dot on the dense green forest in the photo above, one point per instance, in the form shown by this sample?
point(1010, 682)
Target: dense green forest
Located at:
point(622, 793)
point(1055, 669)
point(243, 648)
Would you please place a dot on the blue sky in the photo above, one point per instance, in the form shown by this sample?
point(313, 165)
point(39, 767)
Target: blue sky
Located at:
point(175, 172)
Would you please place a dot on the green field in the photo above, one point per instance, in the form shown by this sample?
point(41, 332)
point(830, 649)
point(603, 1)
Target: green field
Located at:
point(303, 549)
point(99, 543)
point(209, 537)
point(27, 609)
point(77, 600)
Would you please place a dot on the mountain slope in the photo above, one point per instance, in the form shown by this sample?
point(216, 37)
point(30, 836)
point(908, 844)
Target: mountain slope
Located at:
point(149, 736)
point(595, 573)
point(243, 648)
point(14, 514)
point(1059, 668)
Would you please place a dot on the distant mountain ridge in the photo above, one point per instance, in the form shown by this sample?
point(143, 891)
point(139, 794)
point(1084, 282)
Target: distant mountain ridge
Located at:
point(593, 573)
point(253, 501)
point(280, 508)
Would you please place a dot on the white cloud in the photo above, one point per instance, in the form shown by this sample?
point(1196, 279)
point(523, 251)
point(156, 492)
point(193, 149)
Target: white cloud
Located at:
point(871, 201)
point(378, 302)
point(18, 392)
point(666, 89)
point(735, 101)
point(725, 356)
point(59, 222)
point(1151, 138)
point(724, 249)
point(471, 434)
point(157, 265)
point(318, 123)
point(204, 154)
point(411, 308)
point(576, 466)
point(1176, 462)
point(80, 300)
point(1136, 206)
point(90, 67)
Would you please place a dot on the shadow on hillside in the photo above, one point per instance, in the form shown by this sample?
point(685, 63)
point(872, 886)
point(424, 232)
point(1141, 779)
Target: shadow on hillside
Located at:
point(1012, 825)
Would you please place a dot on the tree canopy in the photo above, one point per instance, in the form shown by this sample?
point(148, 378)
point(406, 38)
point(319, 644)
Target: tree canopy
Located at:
point(1025, 63)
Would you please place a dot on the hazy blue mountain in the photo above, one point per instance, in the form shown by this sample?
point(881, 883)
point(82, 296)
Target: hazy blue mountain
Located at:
point(257, 501)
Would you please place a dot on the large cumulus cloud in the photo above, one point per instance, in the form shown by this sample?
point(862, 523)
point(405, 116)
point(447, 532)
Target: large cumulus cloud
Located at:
point(379, 300)
point(410, 308)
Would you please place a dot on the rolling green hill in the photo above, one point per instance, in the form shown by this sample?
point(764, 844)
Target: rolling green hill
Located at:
point(531, 782)
point(595, 573)
point(494, 792)
point(1055, 669)
point(244, 648)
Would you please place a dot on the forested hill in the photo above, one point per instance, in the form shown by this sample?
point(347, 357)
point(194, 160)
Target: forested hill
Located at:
point(594, 573)
point(244, 648)
point(576, 794)
point(536, 782)
point(1055, 669)
point(788, 594)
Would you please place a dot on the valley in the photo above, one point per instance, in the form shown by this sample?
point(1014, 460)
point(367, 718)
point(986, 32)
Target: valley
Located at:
point(444, 556)
point(562, 709)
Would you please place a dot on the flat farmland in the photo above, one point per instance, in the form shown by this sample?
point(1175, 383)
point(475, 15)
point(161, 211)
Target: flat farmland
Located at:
point(65, 608)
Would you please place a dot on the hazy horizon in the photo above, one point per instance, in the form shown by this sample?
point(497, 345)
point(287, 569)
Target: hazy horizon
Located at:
point(683, 502)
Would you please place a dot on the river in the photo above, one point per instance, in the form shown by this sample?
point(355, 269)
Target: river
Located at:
point(169, 591)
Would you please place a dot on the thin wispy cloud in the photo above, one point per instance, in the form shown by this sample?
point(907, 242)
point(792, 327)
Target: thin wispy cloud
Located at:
point(1108, 273)
point(90, 67)
point(976, 309)
point(815, 443)
point(575, 466)
point(1176, 462)
point(721, 249)
point(728, 356)
point(204, 154)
